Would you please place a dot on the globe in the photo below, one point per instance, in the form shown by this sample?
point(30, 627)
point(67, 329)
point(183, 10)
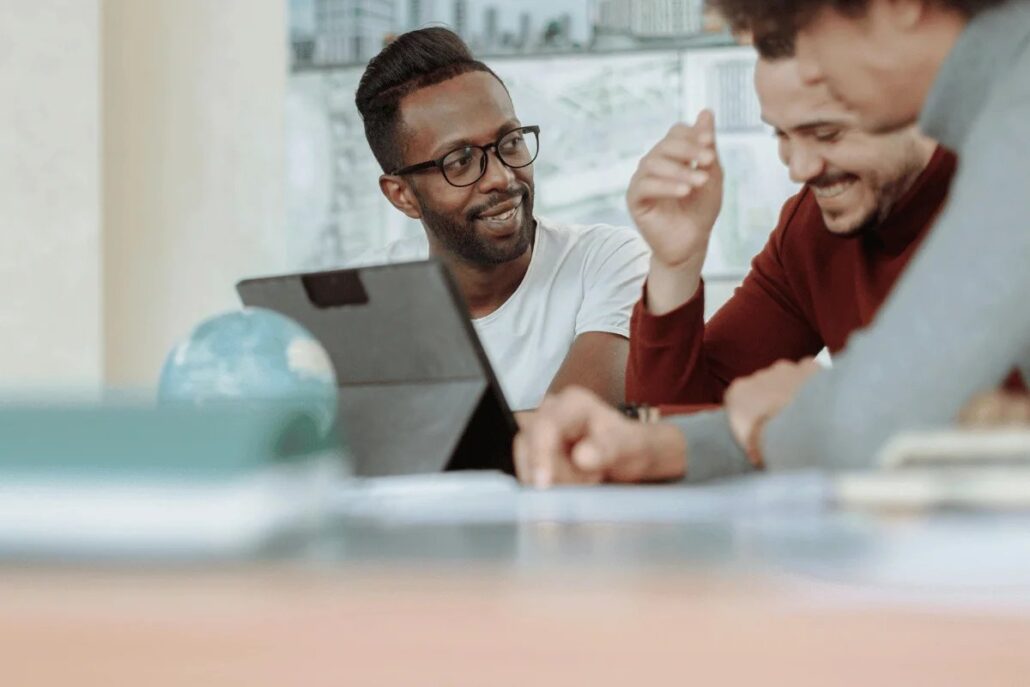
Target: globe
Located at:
point(252, 356)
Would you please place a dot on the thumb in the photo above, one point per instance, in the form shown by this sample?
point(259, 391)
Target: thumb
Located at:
point(705, 124)
point(590, 455)
point(611, 440)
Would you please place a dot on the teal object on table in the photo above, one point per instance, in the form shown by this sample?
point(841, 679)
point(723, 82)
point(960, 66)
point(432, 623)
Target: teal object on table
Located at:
point(102, 481)
point(177, 443)
point(252, 357)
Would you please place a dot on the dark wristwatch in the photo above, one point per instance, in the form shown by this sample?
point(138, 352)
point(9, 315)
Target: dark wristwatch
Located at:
point(641, 412)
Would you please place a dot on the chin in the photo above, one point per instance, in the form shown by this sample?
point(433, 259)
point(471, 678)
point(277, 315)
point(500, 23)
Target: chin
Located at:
point(850, 228)
point(499, 252)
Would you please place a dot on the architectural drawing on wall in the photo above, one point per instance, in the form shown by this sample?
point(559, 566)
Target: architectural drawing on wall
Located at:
point(598, 117)
point(642, 23)
point(343, 31)
point(335, 33)
point(599, 110)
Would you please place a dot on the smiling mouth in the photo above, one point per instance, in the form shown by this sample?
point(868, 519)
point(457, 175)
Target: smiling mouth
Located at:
point(504, 216)
point(825, 191)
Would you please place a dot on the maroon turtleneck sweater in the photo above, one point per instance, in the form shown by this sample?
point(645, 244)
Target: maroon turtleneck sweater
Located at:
point(807, 289)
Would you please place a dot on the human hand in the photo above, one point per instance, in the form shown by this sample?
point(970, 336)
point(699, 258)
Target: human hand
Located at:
point(676, 193)
point(997, 409)
point(576, 438)
point(523, 416)
point(751, 401)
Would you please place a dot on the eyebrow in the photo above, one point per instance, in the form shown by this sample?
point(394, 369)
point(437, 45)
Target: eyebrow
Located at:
point(808, 126)
point(455, 144)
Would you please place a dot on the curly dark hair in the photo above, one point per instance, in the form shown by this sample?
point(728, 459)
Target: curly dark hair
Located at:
point(774, 23)
point(413, 61)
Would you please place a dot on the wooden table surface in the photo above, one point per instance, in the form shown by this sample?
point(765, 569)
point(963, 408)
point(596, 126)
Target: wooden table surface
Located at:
point(481, 625)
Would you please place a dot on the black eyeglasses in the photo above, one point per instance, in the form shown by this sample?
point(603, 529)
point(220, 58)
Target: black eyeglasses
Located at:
point(466, 165)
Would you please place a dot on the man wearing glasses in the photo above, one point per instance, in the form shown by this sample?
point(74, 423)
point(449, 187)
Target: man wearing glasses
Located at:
point(550, 302)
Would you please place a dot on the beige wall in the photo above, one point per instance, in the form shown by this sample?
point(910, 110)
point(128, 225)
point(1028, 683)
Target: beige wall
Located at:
point(141, 175)
point(194, 100)
point(50, 316)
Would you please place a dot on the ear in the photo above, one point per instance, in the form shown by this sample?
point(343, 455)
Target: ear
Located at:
point(400, 195)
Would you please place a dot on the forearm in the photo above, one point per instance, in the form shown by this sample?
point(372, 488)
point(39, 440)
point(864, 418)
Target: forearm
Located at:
point(670, 286)
point(610, 386)
point(596, 362)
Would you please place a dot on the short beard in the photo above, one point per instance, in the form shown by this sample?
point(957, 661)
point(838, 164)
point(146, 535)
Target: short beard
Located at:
point(866, 226)
point(887, 195)
point(461, 239)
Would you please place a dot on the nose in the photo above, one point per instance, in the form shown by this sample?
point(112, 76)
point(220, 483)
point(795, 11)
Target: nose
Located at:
point(498, 176)
point(804, 164)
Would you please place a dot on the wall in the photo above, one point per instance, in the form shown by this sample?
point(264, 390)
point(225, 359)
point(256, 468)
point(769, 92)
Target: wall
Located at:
point(194, 94)
point(599, 113)
point(51, 312)
point(141, 175)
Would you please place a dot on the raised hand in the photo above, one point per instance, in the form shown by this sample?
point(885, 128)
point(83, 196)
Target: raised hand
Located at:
point(676, 193)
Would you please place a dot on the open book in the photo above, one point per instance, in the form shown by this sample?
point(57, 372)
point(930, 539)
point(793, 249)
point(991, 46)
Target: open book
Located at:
point(954, 468)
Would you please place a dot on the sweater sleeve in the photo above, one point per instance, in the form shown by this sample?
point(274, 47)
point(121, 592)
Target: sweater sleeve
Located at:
point(955, 324)
point(712, 451)
point(677, 359)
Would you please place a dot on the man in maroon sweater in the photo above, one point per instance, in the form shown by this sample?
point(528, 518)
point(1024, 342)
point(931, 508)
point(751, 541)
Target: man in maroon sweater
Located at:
point(840, 244)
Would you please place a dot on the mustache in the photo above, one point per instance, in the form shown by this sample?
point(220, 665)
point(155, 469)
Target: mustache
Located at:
point(830, 178)
point(496, 199)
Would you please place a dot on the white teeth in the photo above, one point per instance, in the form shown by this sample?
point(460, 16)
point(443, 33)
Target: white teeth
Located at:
point(831, 191)
point(505, 217)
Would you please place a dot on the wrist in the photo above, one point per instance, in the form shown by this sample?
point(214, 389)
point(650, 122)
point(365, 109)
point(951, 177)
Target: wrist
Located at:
point(686, 262)
point(670, 286)
point(668, 449)
point(641, 412)
point(753, 442)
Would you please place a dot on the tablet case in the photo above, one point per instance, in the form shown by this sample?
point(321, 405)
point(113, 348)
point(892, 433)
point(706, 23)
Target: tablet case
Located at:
point(417, 393)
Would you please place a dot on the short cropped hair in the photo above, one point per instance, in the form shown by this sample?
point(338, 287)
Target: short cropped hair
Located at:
point(413, 61)
point(774, 23)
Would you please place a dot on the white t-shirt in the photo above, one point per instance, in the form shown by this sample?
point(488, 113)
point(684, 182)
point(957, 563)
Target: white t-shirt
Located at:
point(580, 279)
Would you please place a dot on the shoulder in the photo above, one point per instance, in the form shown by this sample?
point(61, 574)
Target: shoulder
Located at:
point(801, 237)
point(596, 255)
point(800, 219)
point(1008, 105)
point(591, 240)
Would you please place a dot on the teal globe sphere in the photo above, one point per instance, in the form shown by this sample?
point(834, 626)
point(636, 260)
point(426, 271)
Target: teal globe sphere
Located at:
point(252, 356)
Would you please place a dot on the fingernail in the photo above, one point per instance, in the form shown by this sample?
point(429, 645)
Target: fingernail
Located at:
point(541, 478)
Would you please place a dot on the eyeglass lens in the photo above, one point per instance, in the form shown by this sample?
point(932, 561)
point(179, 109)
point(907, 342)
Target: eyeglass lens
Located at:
point(467, 165)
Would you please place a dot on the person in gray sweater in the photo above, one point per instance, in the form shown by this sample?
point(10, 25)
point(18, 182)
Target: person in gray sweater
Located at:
point(958, 320)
